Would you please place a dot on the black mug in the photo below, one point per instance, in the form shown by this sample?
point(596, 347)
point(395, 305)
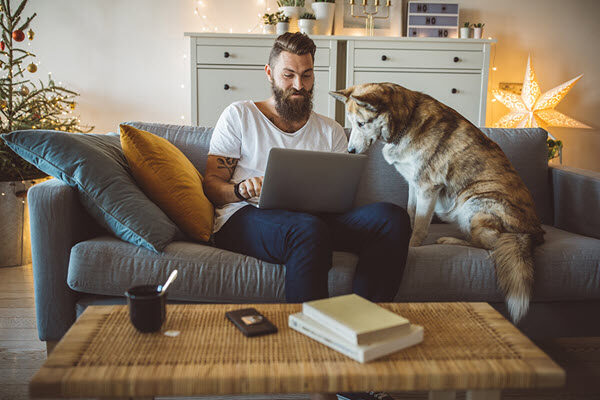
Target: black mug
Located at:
point(147, 310)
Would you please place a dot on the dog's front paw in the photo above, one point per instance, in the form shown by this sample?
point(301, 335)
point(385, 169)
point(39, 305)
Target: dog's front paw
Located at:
point(452, 240)
point(415, 241)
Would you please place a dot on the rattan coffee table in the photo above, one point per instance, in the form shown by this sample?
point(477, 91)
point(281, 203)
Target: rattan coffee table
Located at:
point(467, 346)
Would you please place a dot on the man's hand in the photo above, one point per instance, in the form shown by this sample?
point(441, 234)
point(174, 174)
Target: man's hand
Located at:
point(251, 187)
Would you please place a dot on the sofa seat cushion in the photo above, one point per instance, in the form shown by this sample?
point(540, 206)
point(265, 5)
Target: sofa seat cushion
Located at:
point(567, 269)
point(108, 266)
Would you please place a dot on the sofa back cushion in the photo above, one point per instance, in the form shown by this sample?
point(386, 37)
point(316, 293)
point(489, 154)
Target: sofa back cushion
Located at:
point(525, 148)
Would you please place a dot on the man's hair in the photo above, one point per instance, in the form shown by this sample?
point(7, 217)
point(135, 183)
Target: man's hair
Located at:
point(295, 43)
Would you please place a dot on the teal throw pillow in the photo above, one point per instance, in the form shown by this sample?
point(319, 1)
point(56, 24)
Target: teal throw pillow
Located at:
point(96, 166)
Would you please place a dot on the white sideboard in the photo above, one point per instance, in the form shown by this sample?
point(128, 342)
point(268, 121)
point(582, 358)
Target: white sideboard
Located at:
point(230, 67)
point(453, 71)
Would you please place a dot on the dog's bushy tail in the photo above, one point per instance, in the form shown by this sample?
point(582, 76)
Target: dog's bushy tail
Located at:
point(513, 256)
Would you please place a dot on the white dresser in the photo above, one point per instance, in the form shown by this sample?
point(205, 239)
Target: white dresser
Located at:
point(453, 71)
point(230, 67)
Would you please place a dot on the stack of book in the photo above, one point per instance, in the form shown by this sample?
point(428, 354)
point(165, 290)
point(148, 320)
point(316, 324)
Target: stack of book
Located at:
point(356, 327)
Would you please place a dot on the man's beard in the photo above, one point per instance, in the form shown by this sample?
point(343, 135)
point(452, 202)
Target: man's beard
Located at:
point(292, 109)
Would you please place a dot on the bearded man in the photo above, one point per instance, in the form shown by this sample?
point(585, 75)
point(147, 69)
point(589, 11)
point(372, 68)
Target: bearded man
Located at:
point(246, 131)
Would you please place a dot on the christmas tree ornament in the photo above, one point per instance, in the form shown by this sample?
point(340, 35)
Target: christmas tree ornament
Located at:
point(24, 90)
point(2, 45)
point(533, 109)
point(18, 35)
point(3, 104)
point(72, 105)
point(30, 34)
point(32, 68)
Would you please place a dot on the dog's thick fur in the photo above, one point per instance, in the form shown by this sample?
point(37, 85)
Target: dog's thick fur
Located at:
point(451, 168)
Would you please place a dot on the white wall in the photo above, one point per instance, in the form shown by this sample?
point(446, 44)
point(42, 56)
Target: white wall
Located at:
point(126, 57)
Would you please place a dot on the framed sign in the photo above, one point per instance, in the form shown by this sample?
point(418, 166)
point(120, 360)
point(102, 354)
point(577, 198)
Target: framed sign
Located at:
point(346, 24)
point(432, 19)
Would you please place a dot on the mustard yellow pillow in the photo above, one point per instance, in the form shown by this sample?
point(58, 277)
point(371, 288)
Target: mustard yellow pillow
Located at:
point(170, 180)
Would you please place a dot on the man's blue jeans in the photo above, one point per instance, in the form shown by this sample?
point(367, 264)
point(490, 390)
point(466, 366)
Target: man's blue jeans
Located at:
point(378, 233)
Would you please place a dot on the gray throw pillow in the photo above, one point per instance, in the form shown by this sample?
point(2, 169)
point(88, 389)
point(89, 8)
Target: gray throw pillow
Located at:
point(96, 166)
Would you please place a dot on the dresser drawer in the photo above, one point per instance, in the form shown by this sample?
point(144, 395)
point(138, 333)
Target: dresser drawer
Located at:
point(247, 55)
point(459, 91)
point(219, 88)
point(398, 58)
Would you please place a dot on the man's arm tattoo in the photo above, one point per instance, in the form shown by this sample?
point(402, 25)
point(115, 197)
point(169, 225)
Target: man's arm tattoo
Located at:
point(228, 163)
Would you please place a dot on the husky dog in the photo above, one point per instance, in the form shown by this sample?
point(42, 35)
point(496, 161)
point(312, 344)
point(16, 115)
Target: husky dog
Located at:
point(451, 168)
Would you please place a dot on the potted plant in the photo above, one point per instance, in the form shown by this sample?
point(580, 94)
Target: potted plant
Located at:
point(464, 30)
point(306, 23)
point(324, 11)
point(291, 8)
point(283, 23)
point(477, 30)
point(555, 149)
point(269, 22)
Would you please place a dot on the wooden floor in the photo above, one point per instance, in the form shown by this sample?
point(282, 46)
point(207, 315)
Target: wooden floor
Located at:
point(22, 354)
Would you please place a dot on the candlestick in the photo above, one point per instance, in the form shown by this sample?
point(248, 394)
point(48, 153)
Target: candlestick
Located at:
point(370, 14)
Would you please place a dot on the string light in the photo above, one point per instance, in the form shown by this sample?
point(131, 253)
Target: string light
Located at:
point(263, 7)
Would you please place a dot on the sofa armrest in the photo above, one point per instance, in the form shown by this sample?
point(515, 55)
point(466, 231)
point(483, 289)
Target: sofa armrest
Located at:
point(576, 195)
point(58, 221)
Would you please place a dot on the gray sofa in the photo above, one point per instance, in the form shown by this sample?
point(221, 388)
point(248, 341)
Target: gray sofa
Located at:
point(76, 263)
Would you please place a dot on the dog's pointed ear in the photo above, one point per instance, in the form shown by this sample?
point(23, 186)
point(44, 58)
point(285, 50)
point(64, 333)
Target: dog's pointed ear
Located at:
point(341, 95)
point(370, 102)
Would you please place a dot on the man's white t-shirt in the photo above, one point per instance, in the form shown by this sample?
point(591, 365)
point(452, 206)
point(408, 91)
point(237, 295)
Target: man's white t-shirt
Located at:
point(245, 133)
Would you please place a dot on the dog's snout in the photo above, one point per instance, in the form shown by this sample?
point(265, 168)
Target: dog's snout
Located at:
point(352, 150)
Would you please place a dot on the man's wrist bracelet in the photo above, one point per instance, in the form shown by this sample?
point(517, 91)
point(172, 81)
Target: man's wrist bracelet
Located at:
point(236, 191)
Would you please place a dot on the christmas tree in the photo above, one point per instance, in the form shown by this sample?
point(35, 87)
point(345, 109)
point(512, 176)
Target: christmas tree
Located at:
point(23, 104)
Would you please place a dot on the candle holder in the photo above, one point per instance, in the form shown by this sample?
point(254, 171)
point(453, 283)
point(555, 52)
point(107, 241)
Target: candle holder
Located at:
point(370, 14)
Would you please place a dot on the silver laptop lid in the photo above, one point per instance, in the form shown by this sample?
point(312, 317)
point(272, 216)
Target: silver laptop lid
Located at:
point(311, 181)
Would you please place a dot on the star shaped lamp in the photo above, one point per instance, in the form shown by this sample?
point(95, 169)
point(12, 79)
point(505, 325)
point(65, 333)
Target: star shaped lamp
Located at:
point(533, 109)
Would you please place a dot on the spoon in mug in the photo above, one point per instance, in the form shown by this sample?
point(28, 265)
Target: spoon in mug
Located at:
point(168, 282)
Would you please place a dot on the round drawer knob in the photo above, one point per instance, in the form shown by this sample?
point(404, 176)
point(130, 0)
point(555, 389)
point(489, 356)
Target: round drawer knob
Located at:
point(454, 90)
point(383, 57)
point(226, 54)
point(456, 59)
point(227, 87)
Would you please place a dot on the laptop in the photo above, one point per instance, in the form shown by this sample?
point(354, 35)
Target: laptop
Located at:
point(311, 181)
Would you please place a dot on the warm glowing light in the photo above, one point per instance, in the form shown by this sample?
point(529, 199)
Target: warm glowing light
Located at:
point(533, 109)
